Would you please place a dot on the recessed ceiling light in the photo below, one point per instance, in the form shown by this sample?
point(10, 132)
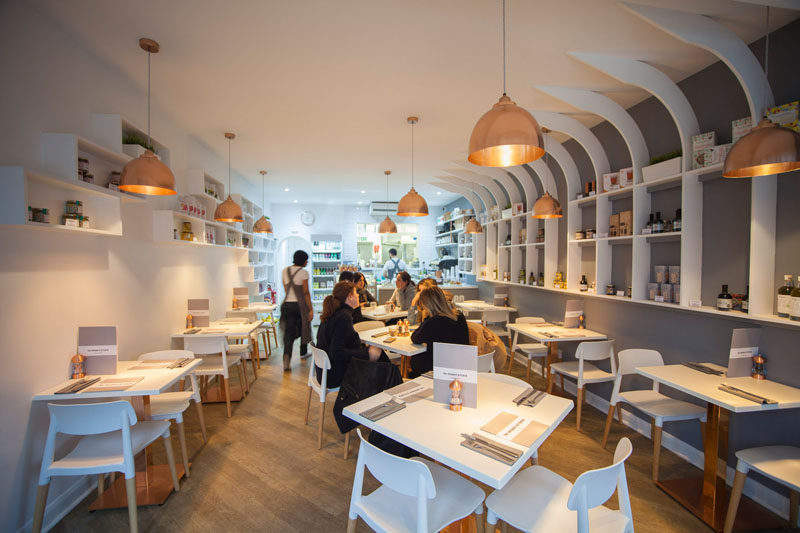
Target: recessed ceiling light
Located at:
point(438, 193)
point(363, 192)
point(286, 189)
point(359, 202)
point(294, 201)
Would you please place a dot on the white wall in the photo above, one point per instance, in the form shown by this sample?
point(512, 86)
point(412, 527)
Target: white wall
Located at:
point(52, 283)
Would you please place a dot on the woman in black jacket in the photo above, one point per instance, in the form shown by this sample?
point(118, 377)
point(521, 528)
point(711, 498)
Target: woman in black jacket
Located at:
point(336, 334)
point(440, 323)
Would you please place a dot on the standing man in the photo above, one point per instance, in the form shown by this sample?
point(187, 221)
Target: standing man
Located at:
point(296, 309)
point(393, 265)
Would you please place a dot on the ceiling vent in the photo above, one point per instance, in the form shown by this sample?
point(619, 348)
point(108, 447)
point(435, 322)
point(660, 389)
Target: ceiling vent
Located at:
point(383, 208)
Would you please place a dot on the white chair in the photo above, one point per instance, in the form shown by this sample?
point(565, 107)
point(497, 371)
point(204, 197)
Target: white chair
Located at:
point(322, 361)
point(779, 463)
point(583, 371)
point(529, 349)
point(110, 438)
point(496, 321)
point(244, 347)
point(367, 325)
point(415, 496)
point(216, 365)
point(539, 500)
point(486, 363)
point(171, 405)
point(659, 407)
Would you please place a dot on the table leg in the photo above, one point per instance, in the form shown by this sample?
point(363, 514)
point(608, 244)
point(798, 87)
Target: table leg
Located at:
point(552, 356)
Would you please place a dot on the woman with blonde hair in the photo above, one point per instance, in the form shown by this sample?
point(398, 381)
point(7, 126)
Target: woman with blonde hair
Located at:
point(441, 322)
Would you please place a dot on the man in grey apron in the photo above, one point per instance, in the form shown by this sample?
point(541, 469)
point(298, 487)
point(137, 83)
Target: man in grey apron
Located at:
point(296, 310)
point(393, 265)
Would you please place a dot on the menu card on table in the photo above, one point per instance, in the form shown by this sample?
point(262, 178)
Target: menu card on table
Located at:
point(241, 297)
point(515, 428)
point(99, 345)
point(199, 310)
point(744, 345)
point(500, 296)
point(109, 385)
point(455, 361)
point(573, 313)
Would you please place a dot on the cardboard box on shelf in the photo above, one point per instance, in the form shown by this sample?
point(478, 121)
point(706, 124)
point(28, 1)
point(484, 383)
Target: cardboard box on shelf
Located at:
point(610, 181)
point(704, 140)
point(625, 223)
point(786, 115)
point(699, 158)
point(625, 177)
point(740, 128)
point(518, 208)
point(613, 225)
point(718, 154)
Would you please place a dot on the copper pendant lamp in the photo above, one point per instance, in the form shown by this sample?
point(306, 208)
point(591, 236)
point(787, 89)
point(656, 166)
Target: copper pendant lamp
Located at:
point(229, 211)
point(473, 226)
point(547, 206)
point(387, 225)
point(147, 174)
point(768, 148)
point(262, 225)
point(412, 204)
point(506, 135)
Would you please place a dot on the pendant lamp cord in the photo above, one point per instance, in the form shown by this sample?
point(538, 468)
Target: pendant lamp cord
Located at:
point(412, 155)
point(148, 98)
point(229, 167)
point(263, 196)
point(766, 64)
point(504, 46)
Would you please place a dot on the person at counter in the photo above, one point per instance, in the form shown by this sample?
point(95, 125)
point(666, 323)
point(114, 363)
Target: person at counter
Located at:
point(336, 334)
point(393, 266)
point(441, 322)
point(404, 291)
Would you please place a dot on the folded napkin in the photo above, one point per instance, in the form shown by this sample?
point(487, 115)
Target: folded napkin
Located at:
point(383, 410)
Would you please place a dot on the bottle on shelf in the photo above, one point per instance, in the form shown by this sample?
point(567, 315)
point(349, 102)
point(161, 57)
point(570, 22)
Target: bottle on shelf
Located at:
point(676, 224)
point(746, 301)
point(784, 297)
point(584, 285)
point(522, 276)
point(658, 225)
point(794, 312)
point(532, 279)
point(724, 300)
point(540, 282)
point(648, 228)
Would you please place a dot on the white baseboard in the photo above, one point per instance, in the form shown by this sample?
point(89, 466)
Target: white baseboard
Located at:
point(59, 507)
point(775, 502)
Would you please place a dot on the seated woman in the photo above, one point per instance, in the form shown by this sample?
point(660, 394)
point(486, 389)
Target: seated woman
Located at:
point(413, 317)
point(440, 323)
point(404, 291)
point(364, 296)
point(347, 275)
point(336, 334)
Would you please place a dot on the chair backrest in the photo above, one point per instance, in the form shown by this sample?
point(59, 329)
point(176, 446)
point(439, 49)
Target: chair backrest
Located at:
point(495, 317)
point(320, 358)
point(237, 320)
point(595, 487)
point(629, 360)
point(251, 316)
point(322, 361)
point(530, 320)
point(406, 476)
point(486, 362)
point(166, 355)
point(206, 345)
point(595, 350)
point(367, 325)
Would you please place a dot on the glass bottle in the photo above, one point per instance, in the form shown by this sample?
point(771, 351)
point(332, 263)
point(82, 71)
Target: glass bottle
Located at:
point(648, 228)
point(676, 225)
point(522, 276)
point(584, 285)
point(540, 282)
point(725, 300)
point(794, 312)
point(658, 225)
point(746, 301)
point(532, 279)
point(784, 296)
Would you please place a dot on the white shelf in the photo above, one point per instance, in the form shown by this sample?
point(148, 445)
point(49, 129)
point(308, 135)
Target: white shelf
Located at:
point(457, 230)
point(69, 229)
point(670, 236)
point(445, 245)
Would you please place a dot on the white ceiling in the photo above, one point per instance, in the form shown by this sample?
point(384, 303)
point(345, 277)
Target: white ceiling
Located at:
point(318, 91)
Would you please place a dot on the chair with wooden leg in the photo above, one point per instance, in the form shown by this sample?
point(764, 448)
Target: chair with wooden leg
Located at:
point(528, 349)
point(244, 347)
point(779, 463)
point(321, 388)
point(583, 371)
point(110, 437)
point(651, 402)
point(416, 495)
point(171, 405)
point(216, 365)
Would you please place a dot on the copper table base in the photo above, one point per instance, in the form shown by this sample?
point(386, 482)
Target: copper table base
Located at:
point(152, 488)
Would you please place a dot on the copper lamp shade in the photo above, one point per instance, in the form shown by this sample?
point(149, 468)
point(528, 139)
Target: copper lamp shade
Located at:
point(505, 136)
point(387, 225)
point(767, 149)
point(473, 226)
point(228, 211)
point(547, 207)
point(262, 225)
point(147, 175)
point(412, 205)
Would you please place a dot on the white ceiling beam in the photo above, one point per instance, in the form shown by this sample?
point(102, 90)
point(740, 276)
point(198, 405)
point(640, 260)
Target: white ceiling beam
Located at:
point(470, 196)
point(567, 164)
point(499, 174)
point(656, 83)
point(783, 4)
point(486, 181)
point(710, 35)
point(487, 199)
point(611, 111)
point(582, 135)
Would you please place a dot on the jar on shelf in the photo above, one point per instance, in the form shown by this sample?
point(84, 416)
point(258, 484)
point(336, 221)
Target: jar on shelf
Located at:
point(83, 165)
point(84, 220)
point(70, 219)
point(88, 178)
point(45, 214)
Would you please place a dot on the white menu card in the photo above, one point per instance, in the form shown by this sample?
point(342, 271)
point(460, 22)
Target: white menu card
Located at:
point(99, 345)
point(744, 345)
point(199, 310)
point(455, 361)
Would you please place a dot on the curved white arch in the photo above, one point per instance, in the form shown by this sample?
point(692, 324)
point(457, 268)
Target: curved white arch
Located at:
point(544, 173)
point(486, 181)
point(524, 177)
point(611, 111)
point(710, 35)
point(512, 191)
point(581, 134)
point(487, 199)
point(567, 165)
point(656, 83)
point(471, 197)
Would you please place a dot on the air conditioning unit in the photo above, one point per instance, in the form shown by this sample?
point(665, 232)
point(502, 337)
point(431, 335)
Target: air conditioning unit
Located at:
point(383, 208)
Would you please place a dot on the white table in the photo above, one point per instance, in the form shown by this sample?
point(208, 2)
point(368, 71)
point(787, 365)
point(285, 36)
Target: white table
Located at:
point(255, 307)
point(401, 346)
point(153, 482)
point(706, 497)
point(381, 313)
point(433, 430)
point(551, 335)
point(479, 306)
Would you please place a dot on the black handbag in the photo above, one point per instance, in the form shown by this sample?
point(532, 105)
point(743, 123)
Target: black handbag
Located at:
point(362, 379)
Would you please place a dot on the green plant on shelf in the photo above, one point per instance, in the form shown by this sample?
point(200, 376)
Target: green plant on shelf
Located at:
point(665, 157)
point(135, 138)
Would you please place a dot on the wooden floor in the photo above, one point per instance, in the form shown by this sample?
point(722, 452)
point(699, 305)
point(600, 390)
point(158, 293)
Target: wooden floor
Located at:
point(261, 470)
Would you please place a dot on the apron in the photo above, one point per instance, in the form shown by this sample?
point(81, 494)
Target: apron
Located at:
point(393, 271)
point(305, 328)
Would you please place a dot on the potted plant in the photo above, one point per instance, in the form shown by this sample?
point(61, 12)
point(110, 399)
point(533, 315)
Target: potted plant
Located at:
point(663, 166)
point(134, 145)
point(507, 211)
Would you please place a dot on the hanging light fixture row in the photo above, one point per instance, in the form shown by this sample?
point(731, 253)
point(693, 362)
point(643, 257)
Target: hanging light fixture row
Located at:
point(473, 226)
point(147, 174)
point(412, 204)
point(506, 135)
point(546, 206)
point(769, 148)
point(229, 211)
point(262, 225)
point(387, 225)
